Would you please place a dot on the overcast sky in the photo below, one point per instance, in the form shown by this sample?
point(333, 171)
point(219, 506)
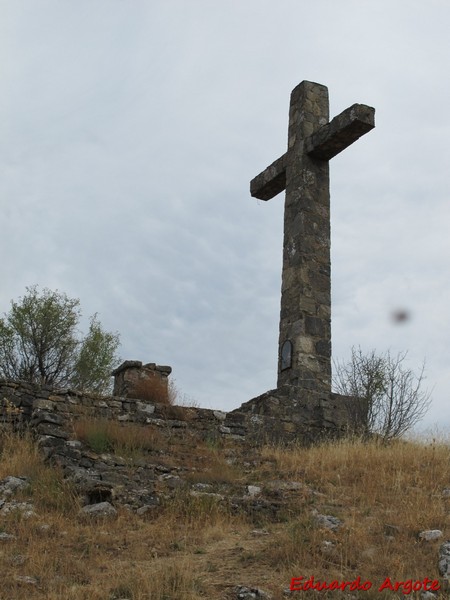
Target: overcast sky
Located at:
point(129, 133)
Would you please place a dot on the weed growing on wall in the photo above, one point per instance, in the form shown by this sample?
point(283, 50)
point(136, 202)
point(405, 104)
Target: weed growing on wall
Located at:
point(103, 435)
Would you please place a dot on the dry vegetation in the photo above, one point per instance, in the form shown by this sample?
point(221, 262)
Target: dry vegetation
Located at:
point(153, 390)
point(197, 547)
point(105, 435)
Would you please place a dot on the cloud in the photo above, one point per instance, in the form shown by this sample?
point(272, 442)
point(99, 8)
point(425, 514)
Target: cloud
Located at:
point(129, 135)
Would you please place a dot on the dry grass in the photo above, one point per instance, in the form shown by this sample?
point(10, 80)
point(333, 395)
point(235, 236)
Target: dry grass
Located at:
point(215, 472)
point(127, 440)
point(73, 560)
point(167, 392)
point(152, 389)
point(195, 547)
point(386, 495)
point(19, 456)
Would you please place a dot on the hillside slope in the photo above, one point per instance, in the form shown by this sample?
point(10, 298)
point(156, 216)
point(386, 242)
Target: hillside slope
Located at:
point(186, 520)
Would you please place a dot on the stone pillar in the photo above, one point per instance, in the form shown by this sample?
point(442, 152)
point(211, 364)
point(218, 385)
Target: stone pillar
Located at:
point(305, 318)
point(143, 382)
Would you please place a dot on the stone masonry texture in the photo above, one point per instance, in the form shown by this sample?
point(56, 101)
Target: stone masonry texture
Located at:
point(132, 378)
point(305, 315)
point(50, 414)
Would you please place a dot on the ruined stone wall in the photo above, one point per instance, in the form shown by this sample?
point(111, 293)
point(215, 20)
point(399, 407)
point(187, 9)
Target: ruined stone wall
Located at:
point(263, 420)
point(97, 476)
point(22, 403)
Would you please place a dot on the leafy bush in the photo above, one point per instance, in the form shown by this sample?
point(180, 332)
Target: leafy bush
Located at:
point(39, 343)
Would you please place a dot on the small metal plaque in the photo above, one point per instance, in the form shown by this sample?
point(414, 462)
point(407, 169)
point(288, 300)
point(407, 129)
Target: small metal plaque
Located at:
point(286, 355)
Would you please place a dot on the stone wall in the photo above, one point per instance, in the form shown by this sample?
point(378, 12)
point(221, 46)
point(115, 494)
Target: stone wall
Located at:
point(268, 418)
point(98, 476)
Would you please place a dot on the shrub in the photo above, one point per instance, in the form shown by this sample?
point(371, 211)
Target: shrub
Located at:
point(385, 398)
point(39, 343)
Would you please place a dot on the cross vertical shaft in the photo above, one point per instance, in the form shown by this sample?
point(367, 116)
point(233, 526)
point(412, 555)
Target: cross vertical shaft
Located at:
point(305, 318)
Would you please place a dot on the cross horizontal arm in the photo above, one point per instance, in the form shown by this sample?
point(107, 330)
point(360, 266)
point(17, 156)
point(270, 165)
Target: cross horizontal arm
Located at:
point(341, 132)
point(271, 181)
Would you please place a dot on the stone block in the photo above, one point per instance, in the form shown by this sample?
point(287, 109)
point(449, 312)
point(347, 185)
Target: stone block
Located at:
point(114, 404)
point(101, 510)
point(44, 404)
point(220, 415)
point(146, 408)
point(42, 416)
point(48, 429)
point(289, 427)
point(314, 326)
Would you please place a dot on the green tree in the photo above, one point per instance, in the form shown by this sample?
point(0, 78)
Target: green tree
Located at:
point(40, 343)
point(383, 397)
point(96, 359)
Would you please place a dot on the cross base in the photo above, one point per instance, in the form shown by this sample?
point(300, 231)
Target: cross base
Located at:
point(302, 415)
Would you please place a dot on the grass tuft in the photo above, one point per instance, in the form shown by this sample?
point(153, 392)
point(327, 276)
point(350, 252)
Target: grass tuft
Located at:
point(127, 440)
point(152, 389)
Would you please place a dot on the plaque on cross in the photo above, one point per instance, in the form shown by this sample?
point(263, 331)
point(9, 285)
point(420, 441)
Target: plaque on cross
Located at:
point(303, 171)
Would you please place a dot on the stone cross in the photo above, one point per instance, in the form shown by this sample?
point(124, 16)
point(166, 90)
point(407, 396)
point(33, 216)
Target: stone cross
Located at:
point(303, 171)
